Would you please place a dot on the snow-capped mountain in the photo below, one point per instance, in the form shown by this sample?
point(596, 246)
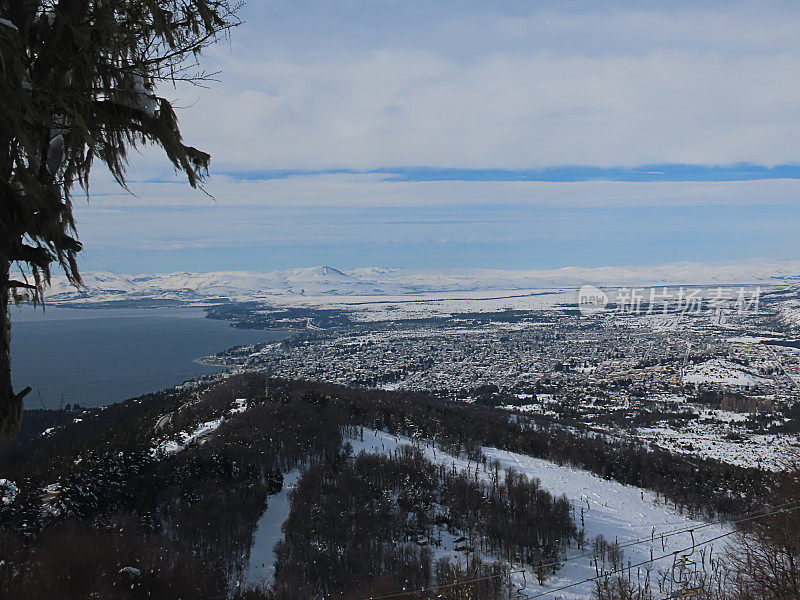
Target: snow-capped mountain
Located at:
point(386, 281)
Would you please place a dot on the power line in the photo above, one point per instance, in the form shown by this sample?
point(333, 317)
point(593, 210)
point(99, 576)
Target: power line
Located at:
point(668, 534)
point(657, 558)
point(628, 567)
point(785, 507)
point(652, 538)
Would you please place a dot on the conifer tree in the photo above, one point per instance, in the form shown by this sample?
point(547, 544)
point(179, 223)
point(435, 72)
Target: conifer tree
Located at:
point(78, 84)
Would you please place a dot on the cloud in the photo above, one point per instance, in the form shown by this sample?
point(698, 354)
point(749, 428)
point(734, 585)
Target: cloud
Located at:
point(501, 87)
point(505, 111)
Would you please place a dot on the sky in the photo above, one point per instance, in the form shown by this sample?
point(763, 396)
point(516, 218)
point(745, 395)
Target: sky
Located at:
point(436, 134)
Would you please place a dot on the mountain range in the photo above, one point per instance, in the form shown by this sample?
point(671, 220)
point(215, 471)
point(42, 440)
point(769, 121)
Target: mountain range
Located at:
point(386, 281)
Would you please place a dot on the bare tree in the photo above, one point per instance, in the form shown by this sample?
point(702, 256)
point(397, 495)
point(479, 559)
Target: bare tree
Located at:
point(766, 561)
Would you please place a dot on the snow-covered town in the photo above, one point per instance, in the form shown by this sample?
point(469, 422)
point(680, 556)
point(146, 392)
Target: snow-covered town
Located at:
point(717, 381)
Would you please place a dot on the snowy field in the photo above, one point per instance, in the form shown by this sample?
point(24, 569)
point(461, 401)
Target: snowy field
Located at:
point(723, 371)
point(424, 306)
point(774, 452)
point(717, 434)
point(616, 511)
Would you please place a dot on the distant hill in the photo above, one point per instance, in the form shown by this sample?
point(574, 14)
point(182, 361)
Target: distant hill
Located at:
point(386, 281)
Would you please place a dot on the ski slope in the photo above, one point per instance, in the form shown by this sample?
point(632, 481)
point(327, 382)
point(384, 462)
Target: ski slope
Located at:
point(260, 570)
point(616, 511)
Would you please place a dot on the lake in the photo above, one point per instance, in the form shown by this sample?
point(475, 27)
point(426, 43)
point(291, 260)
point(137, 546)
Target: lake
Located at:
point(99, 356)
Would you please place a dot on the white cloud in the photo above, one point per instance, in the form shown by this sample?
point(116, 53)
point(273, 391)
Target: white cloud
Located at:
point(496, 86)
point(408, 108)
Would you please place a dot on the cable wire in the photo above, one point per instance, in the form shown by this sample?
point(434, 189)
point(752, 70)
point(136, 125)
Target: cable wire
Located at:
point(785, 507)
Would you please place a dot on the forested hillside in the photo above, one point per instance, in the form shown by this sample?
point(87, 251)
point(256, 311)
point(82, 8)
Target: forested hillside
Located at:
point(370, 514)
point(162, 494)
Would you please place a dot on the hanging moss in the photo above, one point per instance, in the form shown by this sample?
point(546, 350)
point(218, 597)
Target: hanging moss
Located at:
point(78, 83)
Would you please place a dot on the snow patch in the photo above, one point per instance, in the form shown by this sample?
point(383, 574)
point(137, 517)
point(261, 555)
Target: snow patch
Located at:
point(8, 491)
point(722, 371)
point(202, 431)
point(239, 406)
point(186, 438)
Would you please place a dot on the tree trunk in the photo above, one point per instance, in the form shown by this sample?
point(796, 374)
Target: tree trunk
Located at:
point(10, 403)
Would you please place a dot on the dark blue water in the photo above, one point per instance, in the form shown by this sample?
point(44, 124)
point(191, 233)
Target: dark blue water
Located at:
point(99, 356)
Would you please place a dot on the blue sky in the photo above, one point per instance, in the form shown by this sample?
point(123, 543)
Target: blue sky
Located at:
point(487, 134)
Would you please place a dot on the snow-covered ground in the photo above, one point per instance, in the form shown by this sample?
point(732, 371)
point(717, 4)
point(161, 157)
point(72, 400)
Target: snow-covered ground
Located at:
point(789, 313)
point(186, 438)
point(717, 434)
point(261, 568)
point(197, 435)
point(424, 306)
point(719, 370)
point(714, 436)
point(616, 511)
point(8, 491)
